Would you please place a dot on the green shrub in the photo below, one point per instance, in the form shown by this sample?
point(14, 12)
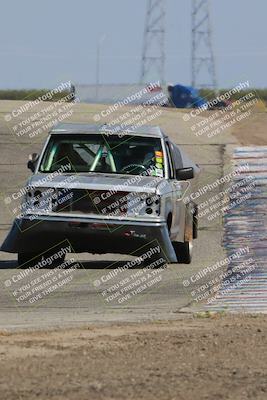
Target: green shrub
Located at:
point(29, 94)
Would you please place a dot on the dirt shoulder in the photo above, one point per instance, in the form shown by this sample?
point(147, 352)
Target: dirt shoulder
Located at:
point(220, 357)
point(252, 131)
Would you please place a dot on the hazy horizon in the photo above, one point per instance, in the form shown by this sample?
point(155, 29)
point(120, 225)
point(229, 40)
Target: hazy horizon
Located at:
point(43, 44)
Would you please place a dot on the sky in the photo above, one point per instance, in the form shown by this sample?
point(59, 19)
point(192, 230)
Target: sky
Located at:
point(43, 43)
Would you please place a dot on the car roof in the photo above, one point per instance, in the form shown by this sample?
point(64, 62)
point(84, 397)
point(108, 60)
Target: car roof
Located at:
point(80, 128)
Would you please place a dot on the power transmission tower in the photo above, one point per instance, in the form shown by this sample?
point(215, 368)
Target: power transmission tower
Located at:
point(203, 62)
point(153, 56)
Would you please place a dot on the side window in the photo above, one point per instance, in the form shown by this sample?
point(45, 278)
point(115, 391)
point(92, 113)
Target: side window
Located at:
point(170, 161)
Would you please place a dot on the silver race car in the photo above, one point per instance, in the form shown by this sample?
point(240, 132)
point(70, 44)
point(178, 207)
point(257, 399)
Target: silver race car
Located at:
point(107, 192)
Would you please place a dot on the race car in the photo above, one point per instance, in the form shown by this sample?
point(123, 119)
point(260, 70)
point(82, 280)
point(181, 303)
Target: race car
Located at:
point(107, 191)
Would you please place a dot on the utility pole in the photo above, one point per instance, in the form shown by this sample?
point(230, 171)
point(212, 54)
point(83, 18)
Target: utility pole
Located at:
point(153, 55)
point(99, 44)
point(203, 62)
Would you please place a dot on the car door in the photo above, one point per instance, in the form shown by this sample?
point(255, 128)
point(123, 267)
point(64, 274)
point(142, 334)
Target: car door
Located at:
point(179, 188)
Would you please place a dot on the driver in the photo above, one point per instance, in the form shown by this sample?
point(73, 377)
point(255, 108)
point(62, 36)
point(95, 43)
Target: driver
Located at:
point(127, 155)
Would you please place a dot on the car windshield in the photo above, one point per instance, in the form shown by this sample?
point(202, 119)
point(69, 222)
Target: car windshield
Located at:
point(132, 155)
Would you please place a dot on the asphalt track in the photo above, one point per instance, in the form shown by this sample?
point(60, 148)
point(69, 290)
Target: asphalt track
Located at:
point(81, 301)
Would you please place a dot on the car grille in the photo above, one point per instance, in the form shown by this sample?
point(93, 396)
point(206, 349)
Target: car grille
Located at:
point(81, 201)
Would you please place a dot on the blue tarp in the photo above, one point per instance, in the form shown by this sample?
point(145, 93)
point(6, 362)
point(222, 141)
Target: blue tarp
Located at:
point(186, 97)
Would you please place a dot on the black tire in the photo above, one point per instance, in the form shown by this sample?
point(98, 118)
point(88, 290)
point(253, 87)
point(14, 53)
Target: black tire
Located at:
point(183, 250)
point(195, 223)
point(26, 260)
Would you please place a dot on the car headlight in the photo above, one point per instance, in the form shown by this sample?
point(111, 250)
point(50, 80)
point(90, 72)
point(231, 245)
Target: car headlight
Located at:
point(144, 204)
point(38, 199)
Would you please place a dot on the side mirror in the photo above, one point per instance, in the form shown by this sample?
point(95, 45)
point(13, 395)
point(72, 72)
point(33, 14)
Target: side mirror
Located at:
point(33, 158)
point(183, 174)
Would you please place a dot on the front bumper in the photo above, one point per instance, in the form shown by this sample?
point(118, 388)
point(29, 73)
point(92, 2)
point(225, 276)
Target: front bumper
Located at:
point(88, 235)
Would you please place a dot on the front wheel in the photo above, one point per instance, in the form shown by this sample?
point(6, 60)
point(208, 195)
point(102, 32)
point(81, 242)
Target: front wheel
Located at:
point(184, 250)
point(26, 260)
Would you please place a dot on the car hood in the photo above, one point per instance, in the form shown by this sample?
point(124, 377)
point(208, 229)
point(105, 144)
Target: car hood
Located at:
point(99, 181)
